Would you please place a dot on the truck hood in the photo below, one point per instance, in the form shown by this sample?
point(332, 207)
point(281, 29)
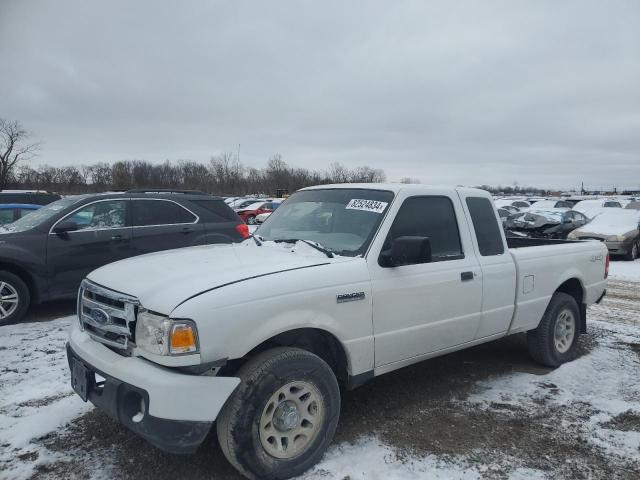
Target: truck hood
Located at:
point(163, 280)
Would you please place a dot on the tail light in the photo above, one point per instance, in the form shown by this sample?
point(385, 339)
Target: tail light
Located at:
point(606, 266)
point(243, 230)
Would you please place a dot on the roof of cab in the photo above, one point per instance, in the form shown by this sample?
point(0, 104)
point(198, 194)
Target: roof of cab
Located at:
point(397, 187)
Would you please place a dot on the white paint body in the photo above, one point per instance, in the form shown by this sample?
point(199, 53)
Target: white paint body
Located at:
point(241, 295)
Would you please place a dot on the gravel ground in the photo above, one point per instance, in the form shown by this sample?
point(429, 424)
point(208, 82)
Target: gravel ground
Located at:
point(487, 412)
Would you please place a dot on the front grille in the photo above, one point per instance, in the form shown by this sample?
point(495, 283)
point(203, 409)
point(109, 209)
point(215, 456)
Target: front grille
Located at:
point(108, 317)
point(592, 238)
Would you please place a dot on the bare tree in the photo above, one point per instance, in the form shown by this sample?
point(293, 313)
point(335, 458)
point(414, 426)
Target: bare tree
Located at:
point(14, 147)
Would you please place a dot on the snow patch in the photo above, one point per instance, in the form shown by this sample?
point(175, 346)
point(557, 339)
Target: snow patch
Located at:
point(370, 459)
point(35, 392)
point(622, 270)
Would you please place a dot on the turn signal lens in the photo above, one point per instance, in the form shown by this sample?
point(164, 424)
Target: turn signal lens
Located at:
point(243, 230)
point(606, 266)
point(183, 338)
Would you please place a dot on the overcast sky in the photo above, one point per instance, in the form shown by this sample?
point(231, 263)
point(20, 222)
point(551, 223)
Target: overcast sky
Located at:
point(538, 92)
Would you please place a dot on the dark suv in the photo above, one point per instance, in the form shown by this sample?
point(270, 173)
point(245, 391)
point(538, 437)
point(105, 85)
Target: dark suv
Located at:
point(32, 197)
point(46, 254)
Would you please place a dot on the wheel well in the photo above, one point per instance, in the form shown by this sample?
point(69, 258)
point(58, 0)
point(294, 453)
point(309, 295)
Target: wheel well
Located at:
point(319, 342)
point(26, 278)
point(574, 288)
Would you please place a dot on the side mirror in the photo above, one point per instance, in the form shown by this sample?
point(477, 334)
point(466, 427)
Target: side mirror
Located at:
point(65, 226)
point(407, 250)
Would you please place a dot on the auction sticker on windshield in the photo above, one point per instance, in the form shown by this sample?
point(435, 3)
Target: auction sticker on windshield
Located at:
point(366, 205)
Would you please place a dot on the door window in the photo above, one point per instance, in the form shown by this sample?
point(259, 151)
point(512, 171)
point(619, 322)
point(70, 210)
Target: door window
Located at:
point(159, 212)
point(432, 217)
point(101, 215)
point(485, 226)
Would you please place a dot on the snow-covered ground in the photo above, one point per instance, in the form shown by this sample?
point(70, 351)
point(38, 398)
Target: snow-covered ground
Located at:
point(620, 270)
point(594, 400)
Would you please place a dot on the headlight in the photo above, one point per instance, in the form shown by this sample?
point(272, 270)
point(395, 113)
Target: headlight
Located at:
point(161, 335)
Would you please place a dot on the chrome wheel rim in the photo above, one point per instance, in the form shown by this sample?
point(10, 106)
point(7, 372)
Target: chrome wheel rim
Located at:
point(251, 220)
point(291, 420)
point(8, 300)
point(564, 331)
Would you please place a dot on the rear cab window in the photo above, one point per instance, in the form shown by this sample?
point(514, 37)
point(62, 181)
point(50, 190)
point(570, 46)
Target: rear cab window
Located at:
point(485, 226)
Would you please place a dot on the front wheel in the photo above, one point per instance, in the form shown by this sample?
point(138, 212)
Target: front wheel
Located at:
point(555, 340)
point(280, 420)
point(14, 298)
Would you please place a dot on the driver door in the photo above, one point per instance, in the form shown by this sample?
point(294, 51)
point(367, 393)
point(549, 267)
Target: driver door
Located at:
point(422, 308)
point(103, 236)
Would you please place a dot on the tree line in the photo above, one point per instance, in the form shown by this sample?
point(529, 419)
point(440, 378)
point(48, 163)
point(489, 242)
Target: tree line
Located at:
point(223, 175)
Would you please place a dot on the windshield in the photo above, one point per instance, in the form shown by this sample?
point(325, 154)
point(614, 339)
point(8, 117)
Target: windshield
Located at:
point(37, 217)
point(341, 220)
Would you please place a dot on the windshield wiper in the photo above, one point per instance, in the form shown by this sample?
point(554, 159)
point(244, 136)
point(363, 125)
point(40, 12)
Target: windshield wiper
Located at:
point(315, 245)
point(258, 241)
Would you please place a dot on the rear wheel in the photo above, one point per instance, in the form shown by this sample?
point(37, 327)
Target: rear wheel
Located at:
point(633, 251)
point(251, 220)
point(555, 340)
point(14, 298)
point(282, 417)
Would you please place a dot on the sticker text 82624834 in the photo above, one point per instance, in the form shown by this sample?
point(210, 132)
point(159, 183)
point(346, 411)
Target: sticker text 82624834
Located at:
point(366, 205)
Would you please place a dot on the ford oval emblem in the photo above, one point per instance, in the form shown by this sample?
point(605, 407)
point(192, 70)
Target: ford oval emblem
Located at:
point(99, 316)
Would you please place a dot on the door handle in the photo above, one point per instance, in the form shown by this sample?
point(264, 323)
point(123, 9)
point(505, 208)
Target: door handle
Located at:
point(466, 276)
point(117, 238)
point(186, 230)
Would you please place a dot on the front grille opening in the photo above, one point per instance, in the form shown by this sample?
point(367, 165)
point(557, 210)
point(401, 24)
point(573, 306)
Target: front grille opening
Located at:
point(96, 297)
point(111, 336)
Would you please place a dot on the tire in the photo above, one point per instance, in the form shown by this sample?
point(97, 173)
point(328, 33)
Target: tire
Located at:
point(251, 220)
point(632, 254)
point(552, 344)
point(260, 401)
point(13, 288)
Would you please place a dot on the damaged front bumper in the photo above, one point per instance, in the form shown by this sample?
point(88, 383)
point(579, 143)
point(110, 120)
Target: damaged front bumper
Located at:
point(173, 411)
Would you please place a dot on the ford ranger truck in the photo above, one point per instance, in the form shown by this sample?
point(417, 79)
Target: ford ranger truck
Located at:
point(341, 284)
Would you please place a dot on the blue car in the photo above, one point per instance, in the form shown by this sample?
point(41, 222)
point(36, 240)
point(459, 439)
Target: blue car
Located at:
point(10, 212)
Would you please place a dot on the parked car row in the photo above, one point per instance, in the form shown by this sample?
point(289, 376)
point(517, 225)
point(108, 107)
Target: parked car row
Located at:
point(600, 219)
point(45, 254)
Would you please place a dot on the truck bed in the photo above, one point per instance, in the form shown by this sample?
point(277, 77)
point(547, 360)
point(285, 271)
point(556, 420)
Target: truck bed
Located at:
point(547, 264)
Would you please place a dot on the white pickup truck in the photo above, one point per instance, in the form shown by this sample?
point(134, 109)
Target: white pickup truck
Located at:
point(341, 284)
